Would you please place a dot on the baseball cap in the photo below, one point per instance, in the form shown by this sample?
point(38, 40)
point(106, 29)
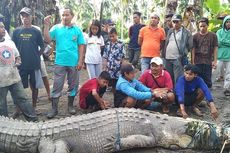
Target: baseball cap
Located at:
point(155, 14)
point(169, 15)
point(176, 17)
point(157, 60)
point(110, 22)
point(26, 10)
point(127, 67)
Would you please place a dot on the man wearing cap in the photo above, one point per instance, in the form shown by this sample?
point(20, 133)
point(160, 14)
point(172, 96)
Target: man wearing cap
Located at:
point(151, 38)
point(130, 92)
point(134, 47)
point(28, 40)
point(69, 57)
point(159, 79)
point(178, 43)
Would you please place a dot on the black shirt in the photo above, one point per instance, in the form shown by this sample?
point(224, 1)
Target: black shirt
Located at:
point(28, 41)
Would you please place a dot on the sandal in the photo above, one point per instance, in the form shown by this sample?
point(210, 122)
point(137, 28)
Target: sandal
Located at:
point(165, 108)
point(227, 92)
point(197, 112)
point(178, 113)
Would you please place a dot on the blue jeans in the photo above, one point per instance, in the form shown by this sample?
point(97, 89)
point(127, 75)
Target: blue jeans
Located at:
point(145, 63)
point(206, 73)
point(94, 70)
point(19, 97)
point(175, 68)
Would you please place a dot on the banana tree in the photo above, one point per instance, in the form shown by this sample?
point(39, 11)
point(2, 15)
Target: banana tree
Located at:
point(216, 12)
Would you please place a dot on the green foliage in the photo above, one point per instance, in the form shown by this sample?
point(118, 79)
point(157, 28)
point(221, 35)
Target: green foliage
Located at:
point(215, 11)
point(213, 6)
point(125, 38)
point(214, 25)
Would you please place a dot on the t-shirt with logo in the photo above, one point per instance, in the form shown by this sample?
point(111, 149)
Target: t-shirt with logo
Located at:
point(9, 72)
point(204, 47)
point(28, 42)
point(67, 41)
point(93, 49)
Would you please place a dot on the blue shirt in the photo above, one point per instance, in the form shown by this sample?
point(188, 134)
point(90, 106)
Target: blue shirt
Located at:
point(133, 89)
point(183, 86)
point(134, 33)
point(67, 41)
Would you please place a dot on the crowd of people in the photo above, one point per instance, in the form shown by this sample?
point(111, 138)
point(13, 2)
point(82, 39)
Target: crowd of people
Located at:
point(167, 77)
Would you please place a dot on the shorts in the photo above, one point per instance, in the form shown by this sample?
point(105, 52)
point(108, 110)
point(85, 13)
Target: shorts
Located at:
point(43, 69)
point(119, 98)
point(189, 98)
point(112, 83)
point(91, 101)
point(28, 76)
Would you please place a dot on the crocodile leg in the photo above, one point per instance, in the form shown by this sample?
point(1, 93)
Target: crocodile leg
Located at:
point(28, 145)
point(137, 141)
point(48, 146)
point(132, 141)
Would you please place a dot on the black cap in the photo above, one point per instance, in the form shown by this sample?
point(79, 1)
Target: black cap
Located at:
point(107, 21)
point(26, 10)
point(169, 15)
point(176, 17)
point(127, 67)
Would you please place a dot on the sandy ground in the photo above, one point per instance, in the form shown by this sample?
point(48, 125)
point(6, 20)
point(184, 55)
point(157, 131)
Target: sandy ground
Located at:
point(222, 103)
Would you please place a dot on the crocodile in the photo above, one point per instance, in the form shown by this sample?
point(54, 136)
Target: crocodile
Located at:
point(111, 130)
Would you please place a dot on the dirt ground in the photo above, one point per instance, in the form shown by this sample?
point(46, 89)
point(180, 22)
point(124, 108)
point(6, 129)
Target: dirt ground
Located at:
point(222, 103)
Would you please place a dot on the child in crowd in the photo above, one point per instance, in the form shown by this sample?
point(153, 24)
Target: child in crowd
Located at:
point(92, 91)
point(130, 92)
point(94, 42)
point(190, 90)
point(113, 57)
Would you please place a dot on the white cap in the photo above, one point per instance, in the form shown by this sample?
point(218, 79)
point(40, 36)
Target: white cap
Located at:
point(157, 61)
point(155, 14)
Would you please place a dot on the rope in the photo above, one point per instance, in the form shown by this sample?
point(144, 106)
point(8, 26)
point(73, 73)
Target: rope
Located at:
point(198, 139)
point(118, 134)
point(222, 149)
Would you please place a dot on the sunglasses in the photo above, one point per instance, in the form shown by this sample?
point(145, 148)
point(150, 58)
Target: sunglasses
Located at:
point(175, 21)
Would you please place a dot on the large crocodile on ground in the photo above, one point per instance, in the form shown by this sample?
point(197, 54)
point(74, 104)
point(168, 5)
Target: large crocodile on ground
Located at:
point(110, 131)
